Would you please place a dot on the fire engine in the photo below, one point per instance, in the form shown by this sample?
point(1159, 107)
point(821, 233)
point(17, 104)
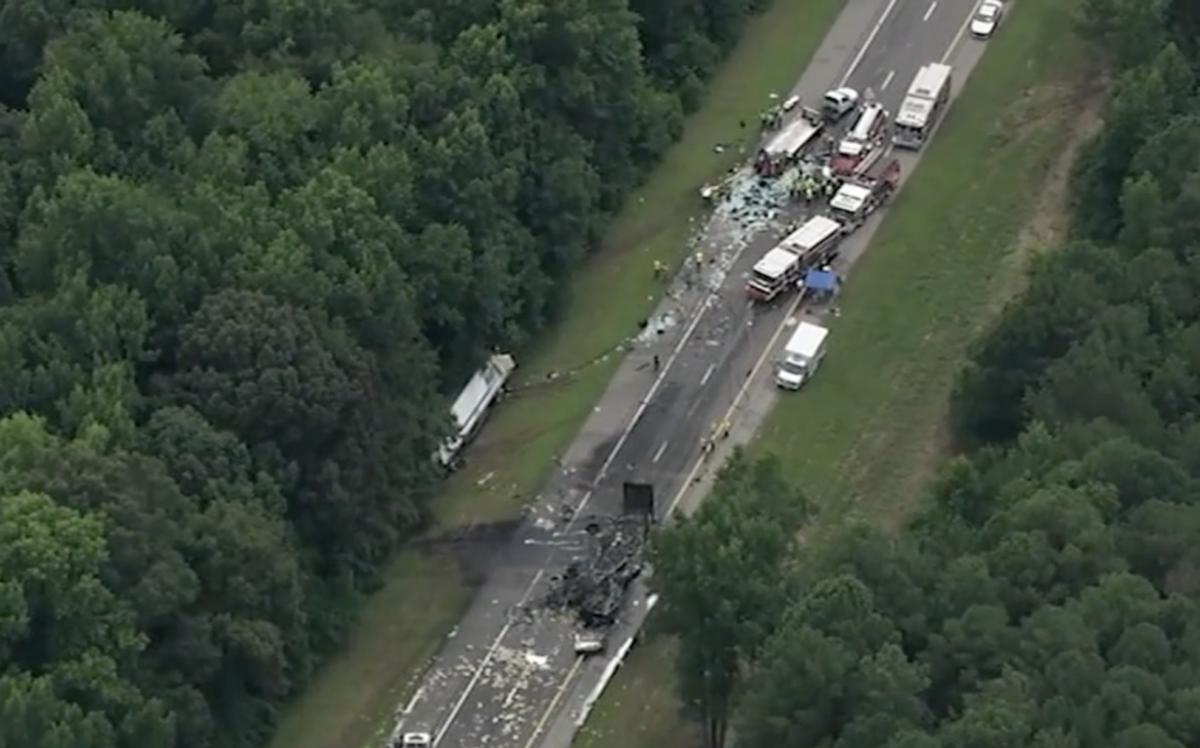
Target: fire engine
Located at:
point(812, 245)
point(864, 144)
point(858, 198)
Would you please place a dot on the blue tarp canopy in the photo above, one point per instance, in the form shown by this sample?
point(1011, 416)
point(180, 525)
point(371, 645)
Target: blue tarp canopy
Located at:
point(821, 280)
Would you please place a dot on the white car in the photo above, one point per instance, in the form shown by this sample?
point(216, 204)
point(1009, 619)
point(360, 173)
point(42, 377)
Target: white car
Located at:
point(588, 643)
point(839, 102)
point(986, 19)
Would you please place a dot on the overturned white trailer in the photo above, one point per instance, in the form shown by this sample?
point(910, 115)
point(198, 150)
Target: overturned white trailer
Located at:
point(472, 405)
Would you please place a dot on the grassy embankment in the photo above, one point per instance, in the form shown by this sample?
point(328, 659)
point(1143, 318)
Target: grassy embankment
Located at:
point(865, 438)
point(403, 625)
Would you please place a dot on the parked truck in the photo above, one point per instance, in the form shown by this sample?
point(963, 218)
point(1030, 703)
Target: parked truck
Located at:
point(812, 245)
point(802, 356)
point(858, 198)
point(926, 102)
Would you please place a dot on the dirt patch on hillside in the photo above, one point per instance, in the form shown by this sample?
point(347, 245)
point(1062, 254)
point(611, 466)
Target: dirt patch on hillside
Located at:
point(917, 453)
point(1083, 105)
point(1080, 107)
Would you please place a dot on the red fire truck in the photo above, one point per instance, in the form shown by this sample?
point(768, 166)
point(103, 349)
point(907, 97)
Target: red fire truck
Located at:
point(812, 245)
point(864, 145)
point(858, 198)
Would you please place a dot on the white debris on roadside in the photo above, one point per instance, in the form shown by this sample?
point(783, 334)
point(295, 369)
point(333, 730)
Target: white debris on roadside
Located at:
point(657, 325)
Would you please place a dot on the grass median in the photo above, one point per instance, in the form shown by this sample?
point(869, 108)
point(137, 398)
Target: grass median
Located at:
point(870, 432)
point(402, 626)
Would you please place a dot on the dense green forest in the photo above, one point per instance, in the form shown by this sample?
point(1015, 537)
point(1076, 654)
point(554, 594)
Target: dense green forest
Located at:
point(1048, 594)
point(249, 251)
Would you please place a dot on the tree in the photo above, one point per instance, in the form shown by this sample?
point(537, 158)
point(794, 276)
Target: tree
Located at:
point(717, 574)
point(251, 251)
point(62, 621)
point(1046, 594)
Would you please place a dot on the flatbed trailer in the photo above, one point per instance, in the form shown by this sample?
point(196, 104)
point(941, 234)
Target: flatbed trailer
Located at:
point(789, 144)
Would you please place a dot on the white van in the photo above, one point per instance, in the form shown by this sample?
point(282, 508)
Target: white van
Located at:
point(802, 356)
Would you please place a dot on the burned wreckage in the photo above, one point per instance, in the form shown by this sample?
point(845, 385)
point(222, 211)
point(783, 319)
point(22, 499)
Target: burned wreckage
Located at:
point(592, 587)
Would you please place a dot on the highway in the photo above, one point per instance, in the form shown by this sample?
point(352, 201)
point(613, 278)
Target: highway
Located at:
point(502, 676)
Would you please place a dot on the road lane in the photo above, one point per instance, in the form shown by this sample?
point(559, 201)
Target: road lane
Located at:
point(932, 34)
point(499, 672)
point(918, 32)
point(517, 684)
point(944, 42)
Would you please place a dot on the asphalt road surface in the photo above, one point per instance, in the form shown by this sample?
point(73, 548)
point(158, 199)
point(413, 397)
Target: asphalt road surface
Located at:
point(501, 673)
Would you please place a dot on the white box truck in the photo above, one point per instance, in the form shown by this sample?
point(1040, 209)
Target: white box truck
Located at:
point(802, 355)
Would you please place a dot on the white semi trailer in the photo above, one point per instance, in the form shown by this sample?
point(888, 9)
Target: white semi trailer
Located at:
point(471, 407)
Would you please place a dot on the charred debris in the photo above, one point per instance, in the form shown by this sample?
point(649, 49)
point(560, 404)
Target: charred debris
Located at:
point(593, 585)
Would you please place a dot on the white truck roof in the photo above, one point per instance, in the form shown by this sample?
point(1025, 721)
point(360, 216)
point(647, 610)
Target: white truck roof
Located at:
point(775, 263)
point(806, 341)
point(851, 148)
point(472, 403)
point(914, 112)
point(850, 198)
point(813, 233)
point(792, 138)
point(866, 123)
point(923, 94)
